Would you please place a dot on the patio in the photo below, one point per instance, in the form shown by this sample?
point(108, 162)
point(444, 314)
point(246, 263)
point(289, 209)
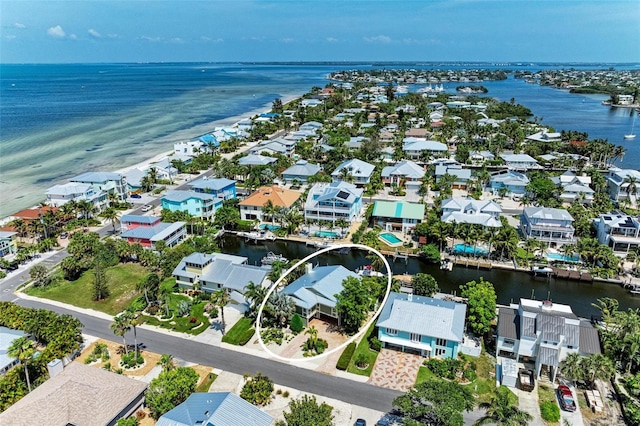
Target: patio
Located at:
point(395, 370)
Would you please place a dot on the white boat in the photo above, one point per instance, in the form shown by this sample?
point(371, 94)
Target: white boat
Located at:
point(271, 257)
point(631, 135)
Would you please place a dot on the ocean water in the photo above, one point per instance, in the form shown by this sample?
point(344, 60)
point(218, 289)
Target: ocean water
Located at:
point(57, 121)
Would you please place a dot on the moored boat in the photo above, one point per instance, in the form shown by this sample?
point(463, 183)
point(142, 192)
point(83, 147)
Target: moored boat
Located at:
point(271, 257)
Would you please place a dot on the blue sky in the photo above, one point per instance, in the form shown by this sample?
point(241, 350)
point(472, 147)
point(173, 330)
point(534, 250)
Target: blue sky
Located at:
point(319, 30)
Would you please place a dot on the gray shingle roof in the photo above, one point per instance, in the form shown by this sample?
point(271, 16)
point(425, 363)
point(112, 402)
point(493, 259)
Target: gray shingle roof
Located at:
point(508, 323)
point(425, 316)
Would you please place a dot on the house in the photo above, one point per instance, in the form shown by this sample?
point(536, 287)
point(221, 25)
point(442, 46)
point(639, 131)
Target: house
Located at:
point(461, 175)
point(406, 172)
point(300, 171)
point(256, 160)
point(7, 336)
point(277, 146)
point(8, 243)
point(422, 325)
point(333, 201)
point(519, 162)
point(104, 181)
point(358, 170)
point(415, 132)
point(478, 158)
point(467, 210)
point(622, 184)
point(36, 213)
point(197, 204)
point(545, 136)
point(164, 169)
point(134, 180)
point(553, 226)
point(574, 188)
point(225, 189)
point(133, 221)
point(312, 126)
point(191, 148)
point(397, 215)
point(415, 148)
point(311, 103)
point(148, 235)
point(59, 195)
point(78, 395)
point(215, 409)
point(509, 181)
point(314, 293)
point(211, 272)
point(251, 207)
point(543, 332)
point(619, 231)
point(355, 142)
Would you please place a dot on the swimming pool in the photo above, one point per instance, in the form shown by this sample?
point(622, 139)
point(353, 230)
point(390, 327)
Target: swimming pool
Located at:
point(563, 257)
point(269, 227)
point(467, 249)
point(390, 239)
point(327, 234)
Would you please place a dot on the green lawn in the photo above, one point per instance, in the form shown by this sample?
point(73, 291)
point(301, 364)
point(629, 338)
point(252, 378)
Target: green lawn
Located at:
point(122, 285)
point(370, 355)
point(424, 375)
point(241, 332)
point(547, 396)
point(182, 324)
point(485, 384)
point(206, 383)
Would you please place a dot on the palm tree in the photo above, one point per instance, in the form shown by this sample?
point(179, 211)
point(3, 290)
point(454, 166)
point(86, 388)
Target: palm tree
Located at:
point(342, 223)
point(111, 215)
point(120, 326)
point(131, 319)
point(572, 368)
point(222, 299)
point(166, 362)
point(23, 349)
point(501, 411)
point(598, 367)
point(345, 175)
point(269, 209)
point(313, 337)
point(254, 293)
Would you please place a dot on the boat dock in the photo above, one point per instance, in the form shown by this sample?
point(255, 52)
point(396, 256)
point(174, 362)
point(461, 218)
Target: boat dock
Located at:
point(571, 274)
point(256, 236)
point(471, 263)
point(397, 255)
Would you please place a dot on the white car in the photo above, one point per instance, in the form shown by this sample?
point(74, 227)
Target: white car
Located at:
point(146, 208)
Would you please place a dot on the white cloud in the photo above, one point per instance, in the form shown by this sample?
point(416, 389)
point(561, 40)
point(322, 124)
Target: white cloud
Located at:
point(112, 35)
point(93, 33)
point(287, 40)
point(212, 40)
point(332, 40)
point(378, 39)
point(151, 39)
point(73, 37)
point(56, 32)
point(19, 25)
point(9, 37)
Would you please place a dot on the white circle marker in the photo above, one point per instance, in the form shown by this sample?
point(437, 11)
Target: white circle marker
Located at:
point(353, 338)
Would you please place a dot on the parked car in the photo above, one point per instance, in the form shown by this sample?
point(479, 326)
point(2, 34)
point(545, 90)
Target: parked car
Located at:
point(63, 235)
point(565, 397)
point(526, 380)
point(136, 196)
point(360, 422)
point(146, 208)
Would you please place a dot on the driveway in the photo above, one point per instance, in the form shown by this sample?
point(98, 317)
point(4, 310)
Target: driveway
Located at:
point(529, 402)
point(395, 370)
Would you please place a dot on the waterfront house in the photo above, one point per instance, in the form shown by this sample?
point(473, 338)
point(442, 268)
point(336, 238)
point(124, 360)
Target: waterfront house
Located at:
point(148, 230)
point(510, 181)
point(191, 148)
point(7, 336)
point(545, 136)
point(519, 162)
point(314, 293)
point(416, 148)
point(215, 409)
point(467, 210)
point(461, 175)
point(164, 169)
point(300, 172)
point(212, 272)
point(256, 160)
point(104, 181)
point(251, 207)
point(623, 184)
point(358, 172)
point(574, 188)
point(134, 178)
point(552, 226)
point(545, 333)
point(422, 325)
point(311, 103)
point(8, 243)
point(197, 204)
point(59, 195)
point(405, 172)
point(225, 189)
point(78, 395)
point(619, 231)
point(333, 201)
point(397, 215)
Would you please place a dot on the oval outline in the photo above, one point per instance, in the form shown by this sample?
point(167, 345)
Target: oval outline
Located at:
point(352, 338)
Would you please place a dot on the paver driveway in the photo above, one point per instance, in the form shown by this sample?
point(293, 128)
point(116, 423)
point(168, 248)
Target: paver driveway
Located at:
point(395, 370)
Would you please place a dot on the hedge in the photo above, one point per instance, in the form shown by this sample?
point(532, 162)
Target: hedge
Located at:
point(550, 411)
point(345, 357)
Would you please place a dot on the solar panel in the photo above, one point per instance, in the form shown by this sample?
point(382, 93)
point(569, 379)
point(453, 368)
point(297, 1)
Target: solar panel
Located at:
point(343, 195)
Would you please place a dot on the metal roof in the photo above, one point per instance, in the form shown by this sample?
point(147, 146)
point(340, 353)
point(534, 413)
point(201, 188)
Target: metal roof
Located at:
point(96, 177)
point(399, 210)
point(404, 168)
point(508, 323)
point(212, 184)
point(589, 339)
point(319, 286)
point(548, 356)
point(356, 167)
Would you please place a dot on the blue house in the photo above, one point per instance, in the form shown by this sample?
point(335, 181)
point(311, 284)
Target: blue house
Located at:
point(215, 409)
point(314, 293)
point(422, 325)
point(330, 202)
point(222, 188)
point(197, 204)
point(301, 171)
point(513, 182)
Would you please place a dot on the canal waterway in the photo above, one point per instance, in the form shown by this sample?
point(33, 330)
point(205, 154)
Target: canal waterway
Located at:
point(510, 286)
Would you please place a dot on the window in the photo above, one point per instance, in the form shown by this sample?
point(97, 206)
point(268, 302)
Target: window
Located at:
point(509, 342)
point(392, 331)
point(440, 352)
point(441, 342)
point(415, 337)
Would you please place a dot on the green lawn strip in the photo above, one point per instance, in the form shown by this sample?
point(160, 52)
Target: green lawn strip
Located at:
point(183, 324)
point(370, 355)
point(547, 395)
point(206, 383)
point(240, 333)
point(122, 285)
point(424, 375)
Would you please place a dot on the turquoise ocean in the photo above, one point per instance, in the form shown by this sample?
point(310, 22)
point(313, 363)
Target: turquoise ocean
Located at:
point(57, 121)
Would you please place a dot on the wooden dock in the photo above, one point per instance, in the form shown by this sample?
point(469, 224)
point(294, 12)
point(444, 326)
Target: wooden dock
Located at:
point(471, 263)
point(571, 274)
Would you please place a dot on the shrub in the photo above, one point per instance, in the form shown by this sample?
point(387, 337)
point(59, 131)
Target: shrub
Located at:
point(272, 335)
point(107, 366)
point(345, 357)
point(184, 308)
point(470, 374)
point(257, 390)
point(445, 368)
point(193, 320)
point(361, 360)
point(296, 324)
point(130, 361)
point(285, 394)
point(375, 344)
point(152, 309)
point(3, 274)
point(550, 411)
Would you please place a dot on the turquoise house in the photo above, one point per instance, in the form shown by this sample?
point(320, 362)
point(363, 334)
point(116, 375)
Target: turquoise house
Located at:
point(429, 327)
point(221, 187)
point(197, 204)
